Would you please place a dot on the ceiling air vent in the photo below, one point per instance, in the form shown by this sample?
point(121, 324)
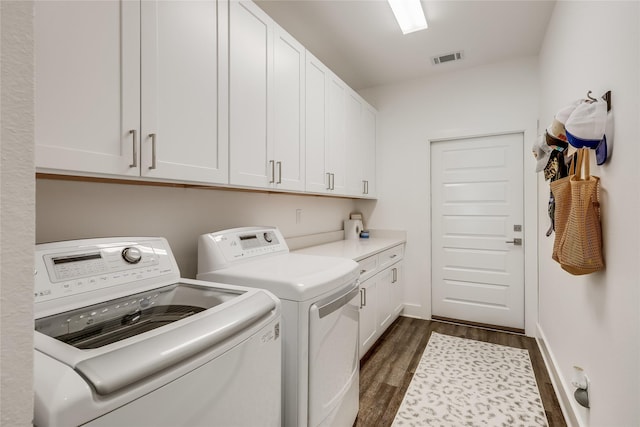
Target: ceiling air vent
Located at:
point(455, 56)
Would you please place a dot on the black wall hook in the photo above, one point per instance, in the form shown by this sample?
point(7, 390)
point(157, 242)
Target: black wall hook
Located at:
point(606, 97)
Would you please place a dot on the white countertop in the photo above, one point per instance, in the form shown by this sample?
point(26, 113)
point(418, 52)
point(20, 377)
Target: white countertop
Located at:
point(356, 249)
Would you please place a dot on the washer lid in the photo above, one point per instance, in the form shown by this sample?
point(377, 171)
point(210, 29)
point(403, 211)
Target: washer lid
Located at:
point(110, 365)
point(294, 277)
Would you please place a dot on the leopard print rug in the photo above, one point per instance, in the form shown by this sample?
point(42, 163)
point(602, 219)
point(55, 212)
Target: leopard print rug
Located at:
point(463, 382)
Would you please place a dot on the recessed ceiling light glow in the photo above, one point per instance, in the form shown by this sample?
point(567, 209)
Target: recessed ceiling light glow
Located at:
point(409, 15)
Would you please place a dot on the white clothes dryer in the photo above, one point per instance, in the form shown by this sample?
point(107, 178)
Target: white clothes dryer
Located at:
point(122, 340)
point(320, 314)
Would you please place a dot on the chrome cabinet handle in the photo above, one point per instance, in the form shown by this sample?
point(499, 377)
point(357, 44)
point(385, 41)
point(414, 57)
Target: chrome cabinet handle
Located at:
point(134, 164)
point(279, 164)
point(328, 181)
point(153, 150)
point(272, 165)
point(395, 275)
point(363, 297)
point(333, 181)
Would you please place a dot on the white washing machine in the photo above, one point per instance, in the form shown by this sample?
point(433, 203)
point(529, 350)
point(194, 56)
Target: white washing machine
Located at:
point(320, 313)
point(122, 340)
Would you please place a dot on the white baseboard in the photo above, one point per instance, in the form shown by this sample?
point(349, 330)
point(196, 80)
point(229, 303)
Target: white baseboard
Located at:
point(413, 310)
point(565, 399)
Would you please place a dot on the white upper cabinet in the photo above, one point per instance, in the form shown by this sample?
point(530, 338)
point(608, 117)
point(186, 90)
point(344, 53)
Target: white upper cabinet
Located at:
point(354, 144)
point(193, 91)
point(325, 129)
point(361, 146)
point(336, 163)
point(250, 61)
point(130, 88)
point(266, 102)
point(317, 82)
point(368, 154)
point(87, 86)
point(288, 111)
point(182, 91)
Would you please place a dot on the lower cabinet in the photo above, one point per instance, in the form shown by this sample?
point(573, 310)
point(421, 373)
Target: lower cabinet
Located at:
point(368, 308)
point(381, 292)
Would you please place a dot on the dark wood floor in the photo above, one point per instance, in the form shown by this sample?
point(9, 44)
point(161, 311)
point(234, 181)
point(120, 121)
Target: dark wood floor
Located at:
point(386, 370)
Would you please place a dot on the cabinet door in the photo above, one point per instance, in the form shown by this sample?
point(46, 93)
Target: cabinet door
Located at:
point(368, 307)
point(368, 154)
point(336, 148)
point(87, 86)
point(354, 145)
point(316, 84)
point(288, 111)
point(180, 135)
point(397, 289)
point(385, 295)
point(250, 65)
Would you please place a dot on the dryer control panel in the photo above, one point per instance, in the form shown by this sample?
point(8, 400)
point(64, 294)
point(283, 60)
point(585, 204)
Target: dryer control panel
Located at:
point(225, 248)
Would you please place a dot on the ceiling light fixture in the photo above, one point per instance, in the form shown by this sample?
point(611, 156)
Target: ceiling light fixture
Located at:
point(409, 15)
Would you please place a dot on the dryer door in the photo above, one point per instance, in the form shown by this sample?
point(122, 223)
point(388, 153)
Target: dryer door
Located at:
point(333, 359)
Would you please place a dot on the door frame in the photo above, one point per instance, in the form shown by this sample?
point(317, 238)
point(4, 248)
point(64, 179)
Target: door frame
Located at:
point(530, 224)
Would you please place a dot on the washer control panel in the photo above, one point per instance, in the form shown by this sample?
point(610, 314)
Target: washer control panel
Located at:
point(63, 270)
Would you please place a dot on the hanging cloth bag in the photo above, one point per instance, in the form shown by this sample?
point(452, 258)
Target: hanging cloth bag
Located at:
point(580, 248)
point(561, 190)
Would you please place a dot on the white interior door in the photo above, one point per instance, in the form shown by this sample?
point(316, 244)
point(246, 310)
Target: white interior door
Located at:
point(476, 219)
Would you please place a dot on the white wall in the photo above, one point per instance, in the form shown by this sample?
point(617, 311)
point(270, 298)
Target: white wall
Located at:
point(16, 213)
point(483, 100)
point(75, 210)
point(592, 321)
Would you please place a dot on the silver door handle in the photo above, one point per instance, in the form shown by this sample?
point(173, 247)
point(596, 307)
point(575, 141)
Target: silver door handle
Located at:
point(328, 181)
point(395, 275)
point(153, 150)
point(134, 164)
point(333, 181)
point(516, 241)
point(363, 297)
point(337, 303)
point(272, 165)
point(279, 164)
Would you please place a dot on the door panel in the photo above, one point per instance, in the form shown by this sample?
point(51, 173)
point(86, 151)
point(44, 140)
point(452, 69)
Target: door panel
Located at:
point(180, 92)
point(316, 125)
point(87, 86)
point(476, 186)
point(250, 62)
point(288, 127)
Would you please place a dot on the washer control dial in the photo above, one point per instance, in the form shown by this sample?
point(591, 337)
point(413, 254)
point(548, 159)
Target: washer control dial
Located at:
point(132, 255)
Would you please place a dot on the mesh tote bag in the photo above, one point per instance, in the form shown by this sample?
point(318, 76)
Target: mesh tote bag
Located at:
point(580, 246)
point(561, 189)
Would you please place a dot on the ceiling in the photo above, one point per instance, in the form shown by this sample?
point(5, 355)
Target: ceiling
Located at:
point(361, 42)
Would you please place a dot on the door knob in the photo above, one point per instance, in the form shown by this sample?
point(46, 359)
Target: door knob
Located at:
point(516, 241)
